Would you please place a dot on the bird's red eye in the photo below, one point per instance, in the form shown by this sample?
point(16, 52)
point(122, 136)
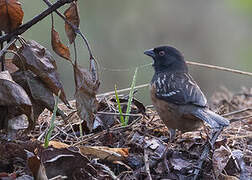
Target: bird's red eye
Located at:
point(161, 53)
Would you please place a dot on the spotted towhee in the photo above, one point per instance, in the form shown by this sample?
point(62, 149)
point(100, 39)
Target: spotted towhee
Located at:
point(176, 96)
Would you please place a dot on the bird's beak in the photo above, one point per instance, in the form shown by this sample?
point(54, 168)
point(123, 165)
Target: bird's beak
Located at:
point(150, 53)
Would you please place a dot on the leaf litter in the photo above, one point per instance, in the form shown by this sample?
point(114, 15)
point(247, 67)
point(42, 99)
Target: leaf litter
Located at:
point(111, 151)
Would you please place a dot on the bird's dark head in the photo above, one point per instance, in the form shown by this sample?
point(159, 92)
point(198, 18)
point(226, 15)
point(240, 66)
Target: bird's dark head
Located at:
point(167, 58)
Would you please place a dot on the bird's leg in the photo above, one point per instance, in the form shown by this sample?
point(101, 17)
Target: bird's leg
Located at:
point(205, 152)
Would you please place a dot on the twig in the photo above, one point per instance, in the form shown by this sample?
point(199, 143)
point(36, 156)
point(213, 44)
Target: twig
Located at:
point(237, 112)
point(219, 68)
point(21, 29)
point(240, 118)
point(240, 137)
point(124, 114)
point(7, 46)
point(75, 28)
point(122, 90)
point(93, 136)
point(205, 152)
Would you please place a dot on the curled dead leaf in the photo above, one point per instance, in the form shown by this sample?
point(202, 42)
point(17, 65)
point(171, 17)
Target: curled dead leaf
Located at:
point(40, 61)
point(11, 15)
point(58, 46)
point(220, 159)
point(13, 95)
point(40, 96)
point(85, 95)
point(72, 15)
point(36, 166)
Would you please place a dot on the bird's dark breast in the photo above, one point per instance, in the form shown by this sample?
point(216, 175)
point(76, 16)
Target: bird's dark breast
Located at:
point(173, 115)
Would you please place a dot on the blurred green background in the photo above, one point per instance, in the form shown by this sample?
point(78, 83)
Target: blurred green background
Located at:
point(214, 32)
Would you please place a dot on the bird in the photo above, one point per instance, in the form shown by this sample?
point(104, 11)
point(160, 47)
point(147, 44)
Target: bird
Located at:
point(177, 98)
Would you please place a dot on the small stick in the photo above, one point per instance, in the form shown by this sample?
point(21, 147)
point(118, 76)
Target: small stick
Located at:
point(240, 118)
point(7, 46)
point(124, 114)
point(237, 112)
point(219, 68)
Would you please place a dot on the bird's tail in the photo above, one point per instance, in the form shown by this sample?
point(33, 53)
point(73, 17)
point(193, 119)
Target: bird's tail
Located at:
point(213, 119)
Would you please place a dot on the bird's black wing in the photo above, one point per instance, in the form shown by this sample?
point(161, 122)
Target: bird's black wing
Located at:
point(178, 88)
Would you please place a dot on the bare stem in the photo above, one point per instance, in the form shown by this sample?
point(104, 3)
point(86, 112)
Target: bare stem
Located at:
point(219, 68)
point(75, 28)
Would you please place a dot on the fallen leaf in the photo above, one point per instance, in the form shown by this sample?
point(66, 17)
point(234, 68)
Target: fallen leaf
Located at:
point(105, 153)
point(13, 95)
point(58, 46)
point(58, 145)
point(227, 177)
point(220, 159)
point(11, 15)
point(85, 95)
point(67, 162)
point(36, 166)
point(40, 61)
point(72, 15)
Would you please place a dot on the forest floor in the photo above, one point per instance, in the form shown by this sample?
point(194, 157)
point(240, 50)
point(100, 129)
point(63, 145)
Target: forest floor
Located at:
point(140, 150)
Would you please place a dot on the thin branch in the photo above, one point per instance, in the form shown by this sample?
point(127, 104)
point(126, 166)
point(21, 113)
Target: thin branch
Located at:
point(122, 90)
point(3, 51)
point(240, 118)
point(237, 112)
point(21, 29)
point(94, 136)
point(7, 46)
point(123, 114)
point(219, 68)
point(75, 28)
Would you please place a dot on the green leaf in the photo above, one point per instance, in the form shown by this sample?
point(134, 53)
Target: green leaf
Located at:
point(131, 94)
point(119, 106)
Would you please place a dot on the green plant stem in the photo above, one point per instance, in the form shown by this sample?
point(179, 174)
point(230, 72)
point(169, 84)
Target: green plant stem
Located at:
point(119, 107)
point(52, 125)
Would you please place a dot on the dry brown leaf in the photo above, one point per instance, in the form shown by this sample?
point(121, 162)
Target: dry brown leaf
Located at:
point(105, 153)
point(227, 177)
point(40, 61)
point(220, 159)
point(68, 162)
point(85, 95)
point(40, 96)
point(58, 145)
point(58, 46)
point(11, 15)
point(8, 65)
point(36, 166)
point(72, 15)
point(13, 95)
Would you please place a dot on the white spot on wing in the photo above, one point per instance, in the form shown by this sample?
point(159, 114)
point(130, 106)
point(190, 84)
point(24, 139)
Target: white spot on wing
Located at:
point(170, 93)
point(159, 82)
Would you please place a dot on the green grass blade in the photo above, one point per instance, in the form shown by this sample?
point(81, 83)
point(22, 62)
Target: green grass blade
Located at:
point(119, 106)
point(49, 133)
point(131, 93)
